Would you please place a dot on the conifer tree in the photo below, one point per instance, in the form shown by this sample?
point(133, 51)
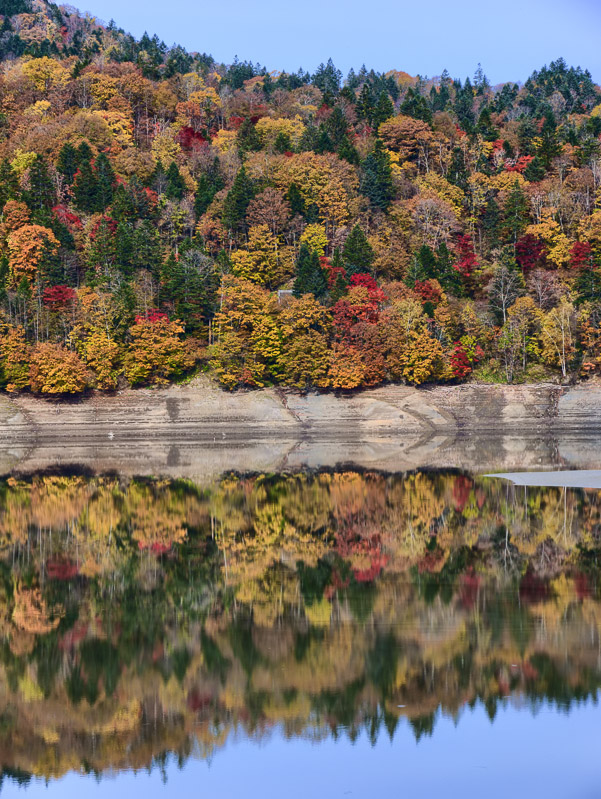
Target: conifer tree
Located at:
point(516, 212)
point(9, 183)
point(357, 253)
point(158, 181)
point(384, 109)
point(67, 162)
point(40, 194)
point(282, 143)
point(446, 274)
point(84, 153)
point(105, 179)
point(247, 138)
point(84, 188)
point(376, 178)
point(295, 199)
point(175, 187)
point(237, 200)
point(347, 152)
point(310, 277)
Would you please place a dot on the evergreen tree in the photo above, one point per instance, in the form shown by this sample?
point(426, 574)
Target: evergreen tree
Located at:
point(84, 188)
point(384, 109)
point(310, 277)
point(458, 174)
point(357, 254)
point(464, 106)
point(40, 194)
point(84, 154)
point(485, 126)
point(365, 104)
point(336, 127)
point(516, 212)
point(247, 138)
point(125, 248)
point(105, 179)
point(190, 285)
point(549, 147)
point(237, 200)
point(282, 143)
point(535, 170)
point(67, 162)
point(209, 184)
point(175, 188)
point(446, 274)
point(327, 78)
point(9, 183)
point(324, 143)
point(347, 152)
point(295, 200)
point(491, 223)
point(158, 179)
point(147, 248)
point(376, 178)
point(416, 106)
point(526, 133)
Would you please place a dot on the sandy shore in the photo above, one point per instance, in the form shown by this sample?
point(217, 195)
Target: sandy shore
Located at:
point(197, 429)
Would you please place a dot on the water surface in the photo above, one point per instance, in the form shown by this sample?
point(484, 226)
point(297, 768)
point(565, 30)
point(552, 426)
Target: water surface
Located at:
point(316, 633)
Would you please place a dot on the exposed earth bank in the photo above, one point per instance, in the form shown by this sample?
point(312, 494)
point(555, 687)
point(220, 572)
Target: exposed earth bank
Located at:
point(197, 430)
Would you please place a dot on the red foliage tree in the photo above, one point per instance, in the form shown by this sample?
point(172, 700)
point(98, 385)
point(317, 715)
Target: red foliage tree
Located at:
point(466, 257)
point(59, 296)
point(581, 255)
point(530, 252)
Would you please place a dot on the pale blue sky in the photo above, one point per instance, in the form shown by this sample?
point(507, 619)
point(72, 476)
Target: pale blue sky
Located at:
point(510, 38)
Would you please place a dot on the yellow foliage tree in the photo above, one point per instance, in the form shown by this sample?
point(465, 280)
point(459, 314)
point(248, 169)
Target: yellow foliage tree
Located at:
point(314, 236)
point(157, 353)
point(28, 246)
point(258, 263)
point(57, 370)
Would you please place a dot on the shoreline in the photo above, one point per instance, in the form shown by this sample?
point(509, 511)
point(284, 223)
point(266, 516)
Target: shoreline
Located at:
point(197, 429)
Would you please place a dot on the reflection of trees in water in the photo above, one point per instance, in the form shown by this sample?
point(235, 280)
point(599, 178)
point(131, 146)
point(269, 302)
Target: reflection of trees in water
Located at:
point(146, 617)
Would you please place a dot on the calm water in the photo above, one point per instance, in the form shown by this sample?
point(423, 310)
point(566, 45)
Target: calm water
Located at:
point(320, 634)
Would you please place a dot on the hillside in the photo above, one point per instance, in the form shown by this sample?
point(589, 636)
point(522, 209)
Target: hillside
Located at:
point(163, 213)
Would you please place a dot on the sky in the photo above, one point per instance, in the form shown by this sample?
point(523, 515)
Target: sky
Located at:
point(509, 38)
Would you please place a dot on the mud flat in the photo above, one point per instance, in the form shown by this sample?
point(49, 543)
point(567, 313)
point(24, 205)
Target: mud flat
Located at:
point(198, 430)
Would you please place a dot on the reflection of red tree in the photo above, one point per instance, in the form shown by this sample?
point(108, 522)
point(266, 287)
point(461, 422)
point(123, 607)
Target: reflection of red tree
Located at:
point(529, 671)
point(582, 586)
point(57, 569)
point(432, 561)
point(74, 636)
point(197, 701)
point(533, 589)
point(462, 487)
point(469, 584)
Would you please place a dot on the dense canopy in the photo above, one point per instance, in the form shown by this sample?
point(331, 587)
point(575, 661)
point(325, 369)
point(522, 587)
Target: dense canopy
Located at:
point(161, 213)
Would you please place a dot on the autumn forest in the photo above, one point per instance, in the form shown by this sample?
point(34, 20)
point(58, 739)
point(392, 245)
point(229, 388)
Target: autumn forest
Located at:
point(163, 214)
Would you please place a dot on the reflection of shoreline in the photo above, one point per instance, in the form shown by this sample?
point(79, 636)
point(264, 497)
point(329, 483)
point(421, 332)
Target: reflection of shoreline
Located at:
point(144, 616)
point(196, 458)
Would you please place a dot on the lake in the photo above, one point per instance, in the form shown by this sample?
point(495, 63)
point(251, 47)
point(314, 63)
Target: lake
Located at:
point(313, 633)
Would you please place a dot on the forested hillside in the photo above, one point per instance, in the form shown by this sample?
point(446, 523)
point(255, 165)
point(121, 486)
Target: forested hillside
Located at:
point(163, 213)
